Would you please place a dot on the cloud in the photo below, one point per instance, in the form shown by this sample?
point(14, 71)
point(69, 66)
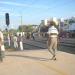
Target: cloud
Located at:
point(24, 5)
point(11, 14)
point(3, 9)
point(12, 3)
point(15, 14)
point(1, 14)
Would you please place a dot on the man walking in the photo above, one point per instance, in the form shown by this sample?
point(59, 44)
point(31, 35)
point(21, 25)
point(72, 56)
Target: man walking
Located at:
point(52, 40)
point(15, 41)
point(20, 42)
point(33, 36)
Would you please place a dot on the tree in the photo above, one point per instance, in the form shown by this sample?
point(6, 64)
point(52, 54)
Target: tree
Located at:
point(26, 28)
point(71, 21)
point(12, 31)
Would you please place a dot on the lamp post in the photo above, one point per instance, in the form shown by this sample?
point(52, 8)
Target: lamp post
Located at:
point(21, 26)
point(21, 42)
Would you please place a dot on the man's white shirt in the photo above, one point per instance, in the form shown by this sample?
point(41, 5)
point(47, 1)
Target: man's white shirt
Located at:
point(53, 30)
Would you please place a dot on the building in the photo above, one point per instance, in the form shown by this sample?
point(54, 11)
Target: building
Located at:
point(44, 25)
point(44, 22)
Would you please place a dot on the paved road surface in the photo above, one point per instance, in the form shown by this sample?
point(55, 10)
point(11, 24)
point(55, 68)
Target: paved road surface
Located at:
point(36, 62)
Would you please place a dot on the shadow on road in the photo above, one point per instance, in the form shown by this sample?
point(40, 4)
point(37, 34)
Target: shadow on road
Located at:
point(30, 57)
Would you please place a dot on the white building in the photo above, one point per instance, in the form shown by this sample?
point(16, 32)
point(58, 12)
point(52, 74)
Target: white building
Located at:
point(72, 26)
point(44, 22)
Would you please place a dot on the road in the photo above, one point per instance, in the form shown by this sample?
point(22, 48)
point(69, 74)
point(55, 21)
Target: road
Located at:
point(36, 61)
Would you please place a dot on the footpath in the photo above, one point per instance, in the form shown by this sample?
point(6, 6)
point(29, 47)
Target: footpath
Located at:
point(37, 62)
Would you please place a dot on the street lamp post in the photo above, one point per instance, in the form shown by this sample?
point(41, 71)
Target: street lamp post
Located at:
point(21, 42)
point(21, 25)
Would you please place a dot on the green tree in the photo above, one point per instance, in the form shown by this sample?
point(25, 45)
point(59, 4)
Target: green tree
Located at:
point(26, 28)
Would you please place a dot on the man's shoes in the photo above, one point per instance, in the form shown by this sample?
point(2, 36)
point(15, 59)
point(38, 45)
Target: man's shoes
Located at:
point(53, 58)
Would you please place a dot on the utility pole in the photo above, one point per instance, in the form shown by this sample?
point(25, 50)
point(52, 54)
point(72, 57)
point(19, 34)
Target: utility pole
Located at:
point(21, 24)
point(21, 19)
point(21, 42)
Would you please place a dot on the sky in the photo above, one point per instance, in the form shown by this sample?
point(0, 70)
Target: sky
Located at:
point(33, 11)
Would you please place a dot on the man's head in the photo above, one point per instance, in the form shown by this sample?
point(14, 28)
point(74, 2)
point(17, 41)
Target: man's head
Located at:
point(52, 23)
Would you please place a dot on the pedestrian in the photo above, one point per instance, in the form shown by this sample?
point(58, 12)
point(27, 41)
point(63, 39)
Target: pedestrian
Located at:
point(20, 42)
point(15, 41)
point(2, 48)
point(33, 36)
point(52, 40)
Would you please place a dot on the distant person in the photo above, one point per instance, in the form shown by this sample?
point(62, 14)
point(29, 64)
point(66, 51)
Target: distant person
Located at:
point(2, 48)
point(20, 42)
point(28, 36)
point(10, 39)
point(52, 40)
point(15, 41)
point(33, 36)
